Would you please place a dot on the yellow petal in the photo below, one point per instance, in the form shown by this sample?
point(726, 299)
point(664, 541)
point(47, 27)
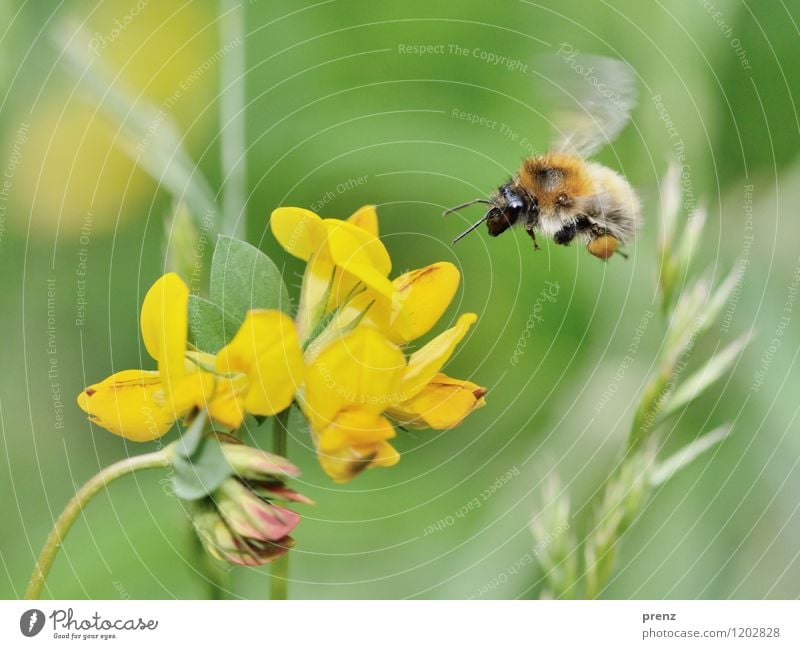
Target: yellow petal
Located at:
point(351, 244)
point(360, 369)
point(354, 441)
point(359, 253)
point(385, 455)
point(355, 427)
point(194, 389)
point(366, 218)
point(345, 467)
point(421, 297)
point(226, 406)
point(127, 404)
point(340, 255)
point(299, 231)
point(441, 404)
point(373, 310)
point(266, 350)
point(164, 323)
point(426, 363)
point(424, 295)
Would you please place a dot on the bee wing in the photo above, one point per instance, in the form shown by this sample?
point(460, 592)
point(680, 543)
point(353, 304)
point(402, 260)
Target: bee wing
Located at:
point(590, 100)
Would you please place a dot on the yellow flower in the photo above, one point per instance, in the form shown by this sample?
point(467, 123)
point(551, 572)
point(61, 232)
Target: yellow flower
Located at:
point(441, 404)
point(346, 279)
point(421, 297)
point(265, 357)
point(353, 379)
point(341, 255)
point(348, 386)
point(358, 377)
point(141, 405)
point(362, 378)
point(129, 404)
point(425, 363)
point(354, 441)
point(258, 372)
point(431, 399)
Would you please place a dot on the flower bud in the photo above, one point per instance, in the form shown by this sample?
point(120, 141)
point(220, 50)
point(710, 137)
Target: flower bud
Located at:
point(249, 515)
point(251, 463)
point(239, 522)
point(223, 544)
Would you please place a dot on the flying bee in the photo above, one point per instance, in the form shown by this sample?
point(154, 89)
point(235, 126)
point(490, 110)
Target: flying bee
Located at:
point(560, 194)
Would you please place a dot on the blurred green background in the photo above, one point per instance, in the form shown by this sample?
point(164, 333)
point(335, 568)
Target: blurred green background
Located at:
point(332, 96)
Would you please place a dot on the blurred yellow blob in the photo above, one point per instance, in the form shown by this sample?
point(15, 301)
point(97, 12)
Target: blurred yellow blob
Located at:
point(72, 176)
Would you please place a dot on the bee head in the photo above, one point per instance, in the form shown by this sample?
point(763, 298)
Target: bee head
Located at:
point(506, 206)
point(498, 220)
point(509, 206)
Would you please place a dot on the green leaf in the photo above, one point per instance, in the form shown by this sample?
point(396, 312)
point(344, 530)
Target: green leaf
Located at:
point(721, 295)
point(191, 438)
point(687, 317)
point(669, 467)
point(713, 369)
point(243, 277)
point(692, 232)
point(210, 326)
point(199, 475)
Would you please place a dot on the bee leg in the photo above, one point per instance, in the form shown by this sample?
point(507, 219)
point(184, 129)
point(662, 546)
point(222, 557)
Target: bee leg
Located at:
point(566, 234)
point(532, 235)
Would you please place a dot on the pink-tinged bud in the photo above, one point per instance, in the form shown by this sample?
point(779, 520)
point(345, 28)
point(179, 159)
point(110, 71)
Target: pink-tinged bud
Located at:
point(251, 463)
point(250, 516)
point(214, 533)
point(223, 544)
point(278, 491)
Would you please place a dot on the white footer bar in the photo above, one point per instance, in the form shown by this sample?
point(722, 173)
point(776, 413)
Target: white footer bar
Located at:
point(388, 624)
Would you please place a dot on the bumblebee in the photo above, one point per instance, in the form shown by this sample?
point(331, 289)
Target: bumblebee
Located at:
point(560, 194)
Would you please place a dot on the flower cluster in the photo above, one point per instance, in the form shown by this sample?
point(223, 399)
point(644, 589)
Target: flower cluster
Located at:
point(353, 322)
point(257, 372)
point(342, 359)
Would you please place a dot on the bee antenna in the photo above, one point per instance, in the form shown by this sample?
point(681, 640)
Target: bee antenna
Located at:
point(467, 204)
point(472, 227)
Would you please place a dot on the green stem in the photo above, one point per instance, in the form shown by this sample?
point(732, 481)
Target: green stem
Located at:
point(280, 428)
point(232, 126)
point(279, 577)
point(156, 460)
